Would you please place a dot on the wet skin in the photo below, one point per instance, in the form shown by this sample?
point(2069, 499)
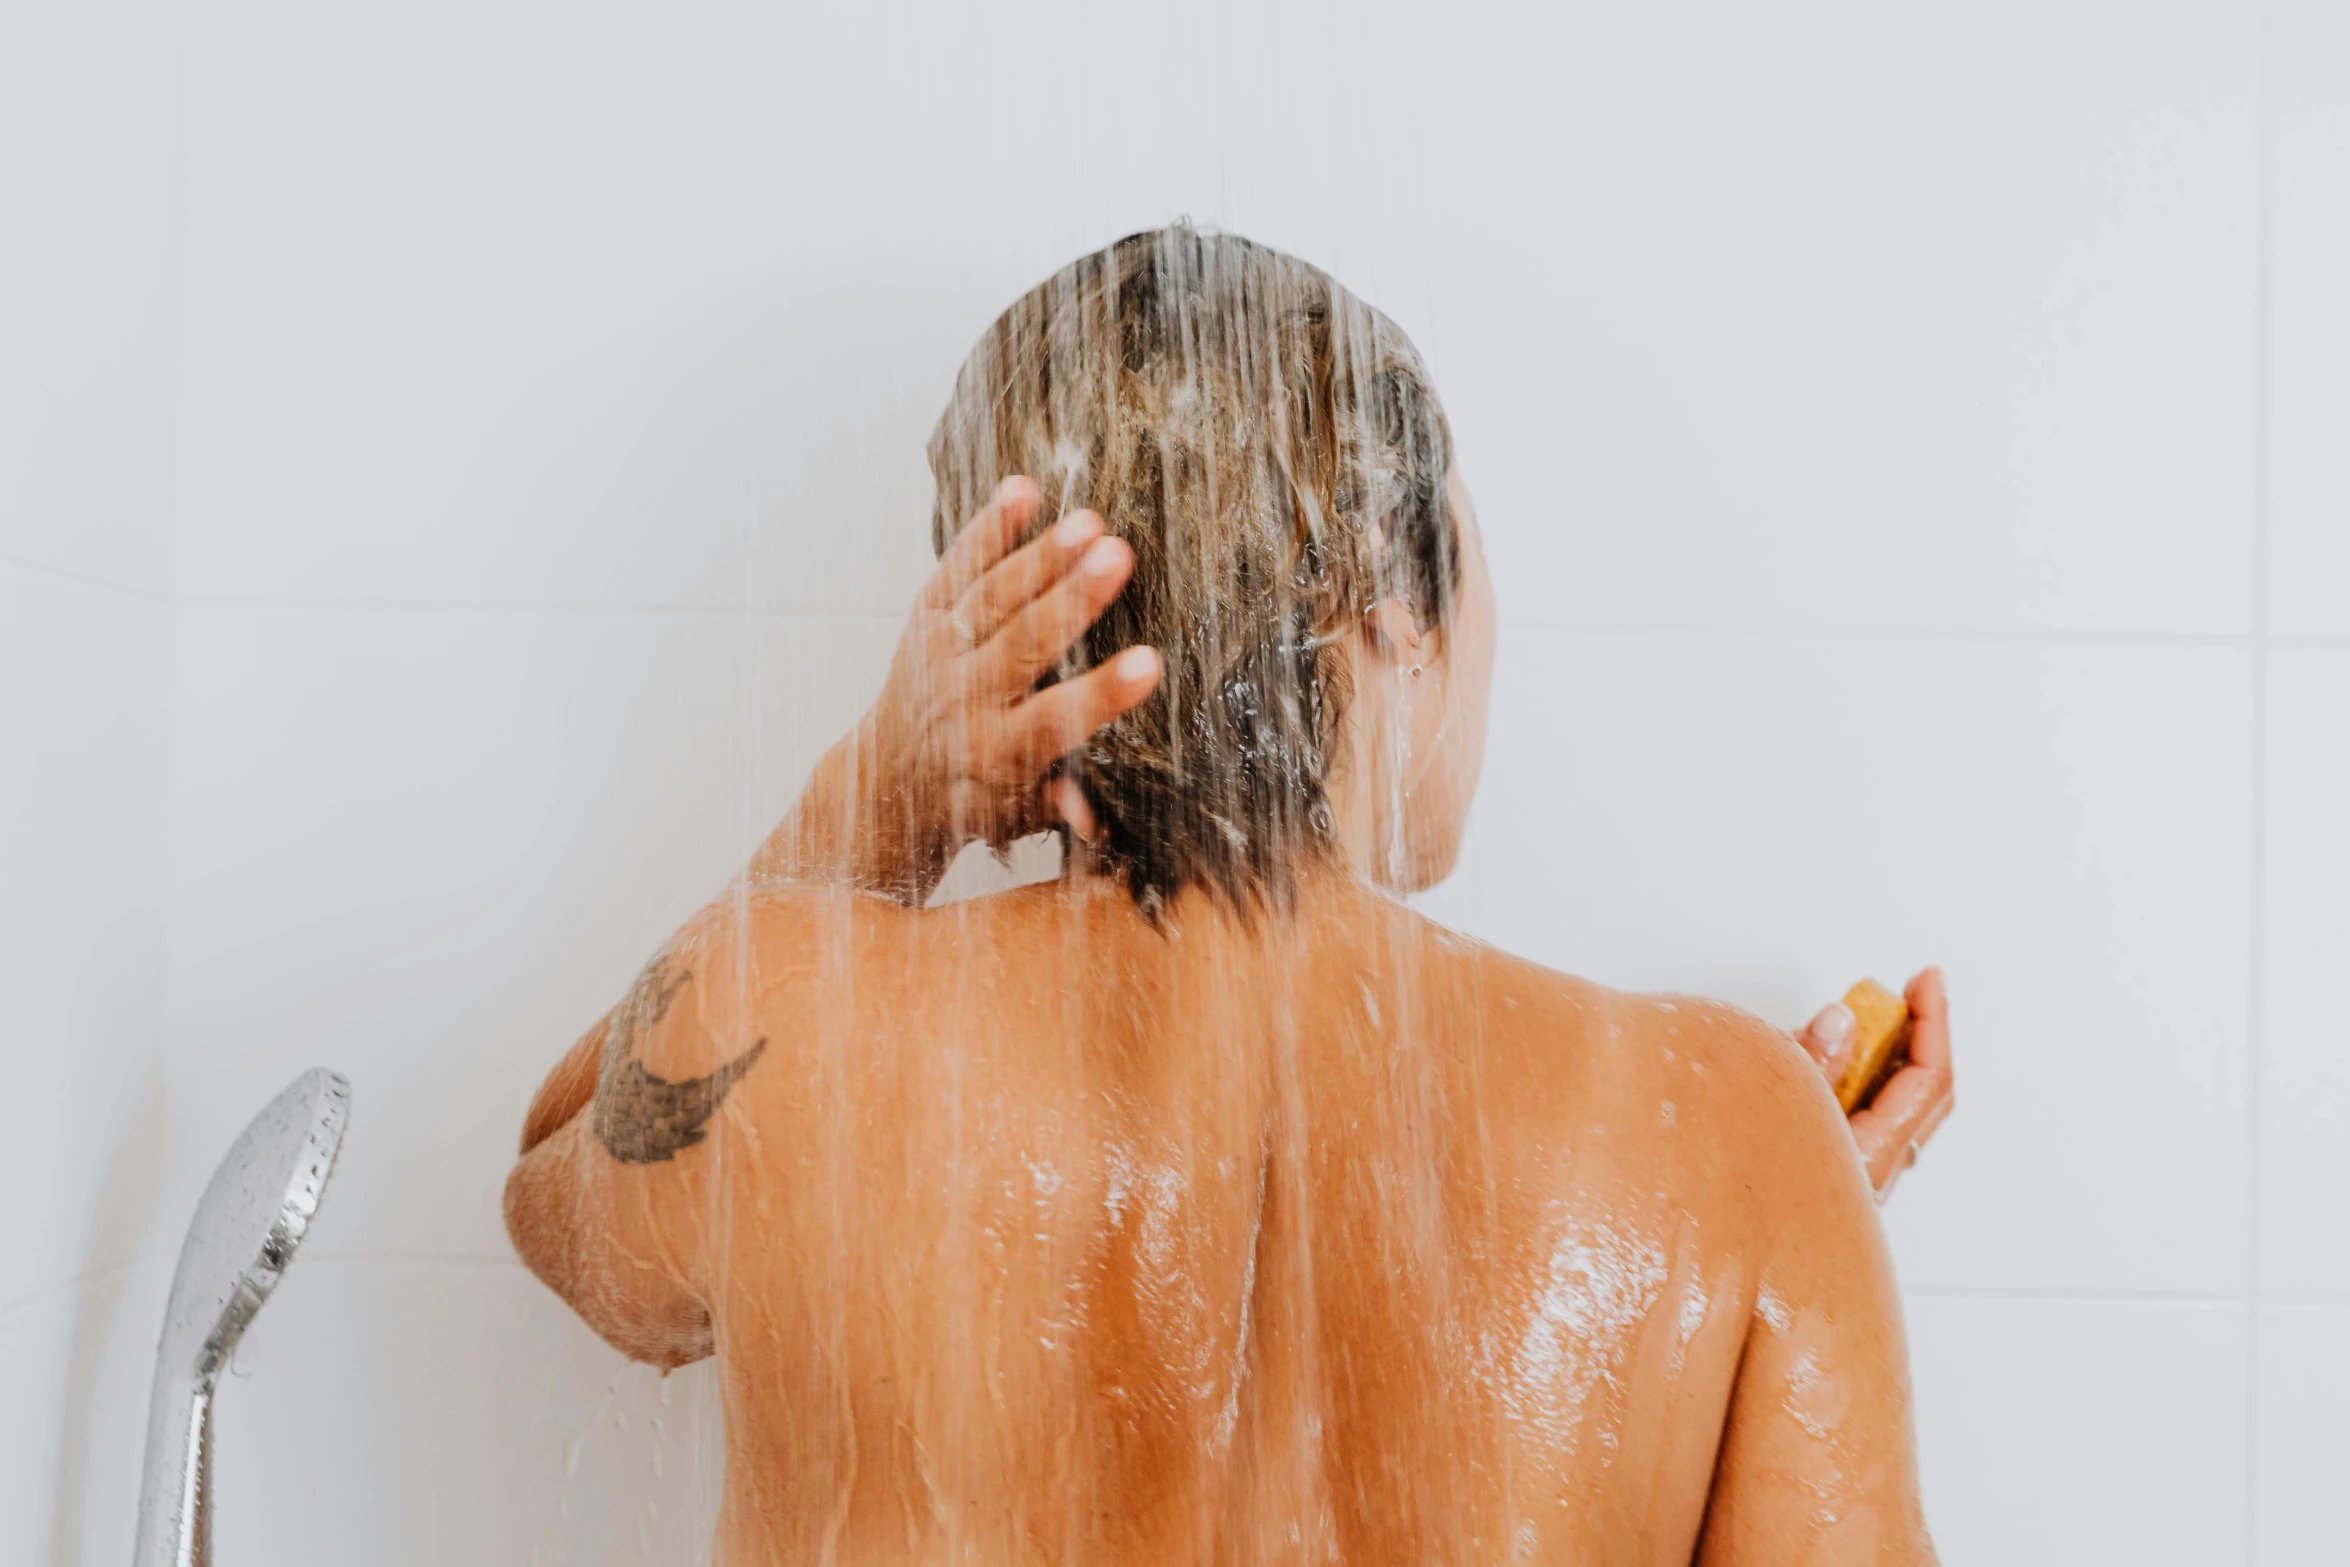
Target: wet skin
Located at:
point(959, 744)
point(1025, 1229)
point(1328, 1234)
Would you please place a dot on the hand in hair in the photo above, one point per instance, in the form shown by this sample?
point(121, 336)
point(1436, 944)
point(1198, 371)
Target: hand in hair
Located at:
point(1900, 1117)
point(960, 743)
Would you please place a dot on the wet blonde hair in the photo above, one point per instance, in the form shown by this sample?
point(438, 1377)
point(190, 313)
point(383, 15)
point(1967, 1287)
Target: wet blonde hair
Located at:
point(1271, 448)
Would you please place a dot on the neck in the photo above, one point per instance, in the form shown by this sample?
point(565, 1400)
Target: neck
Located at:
point(1323, 893)
point(1371, 843)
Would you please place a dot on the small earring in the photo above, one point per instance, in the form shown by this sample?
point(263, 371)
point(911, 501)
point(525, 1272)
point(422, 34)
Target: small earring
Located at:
point(1415, 671)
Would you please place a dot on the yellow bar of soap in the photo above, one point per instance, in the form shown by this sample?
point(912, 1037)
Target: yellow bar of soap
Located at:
point(1880, 1042)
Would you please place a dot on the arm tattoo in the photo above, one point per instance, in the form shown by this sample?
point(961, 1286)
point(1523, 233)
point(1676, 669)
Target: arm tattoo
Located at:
point(643, 1119)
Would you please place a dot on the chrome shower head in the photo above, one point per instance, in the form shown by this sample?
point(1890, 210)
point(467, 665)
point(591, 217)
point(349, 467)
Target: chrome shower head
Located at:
point(251, 1217)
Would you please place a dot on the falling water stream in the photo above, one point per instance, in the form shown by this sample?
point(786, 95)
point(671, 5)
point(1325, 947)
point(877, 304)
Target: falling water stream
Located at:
point(1201, 1202)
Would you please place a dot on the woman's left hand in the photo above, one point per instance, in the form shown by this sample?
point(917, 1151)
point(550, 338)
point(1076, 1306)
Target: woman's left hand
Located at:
point(1902, 1116)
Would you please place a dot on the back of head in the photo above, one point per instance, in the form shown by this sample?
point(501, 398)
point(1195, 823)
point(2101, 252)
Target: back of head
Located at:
point(1271, 449)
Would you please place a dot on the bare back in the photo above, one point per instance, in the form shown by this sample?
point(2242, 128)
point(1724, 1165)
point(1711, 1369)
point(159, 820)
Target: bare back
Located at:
point(1025, 1230)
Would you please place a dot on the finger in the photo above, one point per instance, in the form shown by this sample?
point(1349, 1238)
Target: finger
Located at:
point(982, 542)
point(1907, 1108)
point(1929, 1013)
point(1901, 1119)
point(1883, 1184)
point(1021, 576)
point(973, 810)
point(1067, 802)
point(1056, 721)
point(1883, 1150)
point(1938, 1110)
point(1034, 639)
point(1828, 1035)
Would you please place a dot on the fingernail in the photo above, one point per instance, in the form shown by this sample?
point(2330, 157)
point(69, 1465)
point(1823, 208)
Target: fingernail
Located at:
point(1075, 529)
point(1834, 1025)
point(1136, 664)
point(1102, 559)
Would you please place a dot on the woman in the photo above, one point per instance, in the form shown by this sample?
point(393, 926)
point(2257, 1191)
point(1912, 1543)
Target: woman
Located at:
point(961, 744)
point(1208, 1203)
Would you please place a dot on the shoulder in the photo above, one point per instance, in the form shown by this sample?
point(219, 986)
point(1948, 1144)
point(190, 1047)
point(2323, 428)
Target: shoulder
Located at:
point(1674, 1038)
point(1727, 1092)
point(1748, 1085)
point(1745, 1062)
point(778, 926)
point(753, 963)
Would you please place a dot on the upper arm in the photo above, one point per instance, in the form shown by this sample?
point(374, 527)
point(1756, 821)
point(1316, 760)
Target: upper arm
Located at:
point(568, 1088)
point(611, 1204)
point(1818, 1459)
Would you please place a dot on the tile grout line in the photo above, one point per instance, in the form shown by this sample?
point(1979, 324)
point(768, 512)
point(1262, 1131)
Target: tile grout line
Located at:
point(298, 604)
point(2256, 1011)
point(2132, 1297)
point(2023, 636)
point(2027, 636)
point(86, 579)
point(30, 1298)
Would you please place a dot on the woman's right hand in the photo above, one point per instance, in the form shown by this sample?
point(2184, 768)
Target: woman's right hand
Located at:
point(960, 741)
point(1904, 1113)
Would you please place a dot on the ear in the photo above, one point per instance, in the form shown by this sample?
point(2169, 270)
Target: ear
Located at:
point(1392, 631)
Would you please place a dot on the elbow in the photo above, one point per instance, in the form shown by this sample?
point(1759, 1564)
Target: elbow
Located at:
point(676, 1343)
point(630, 1300)
point(526, 1226)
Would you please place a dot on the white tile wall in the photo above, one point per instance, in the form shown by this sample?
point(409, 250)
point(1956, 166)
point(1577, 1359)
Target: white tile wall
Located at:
point(1864, 407)
point(670, 262)
point(1860, 315)
point(80, 1358)
point(2093, 1430)
point(2305, 1090)
point(427, 847)
point(82, 691)
point(2063, 828)
point(371, 1393)
point(90, 280)
point(815, 678)
point(2309, 336)
point(2299, 1507)
point(607, 340)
